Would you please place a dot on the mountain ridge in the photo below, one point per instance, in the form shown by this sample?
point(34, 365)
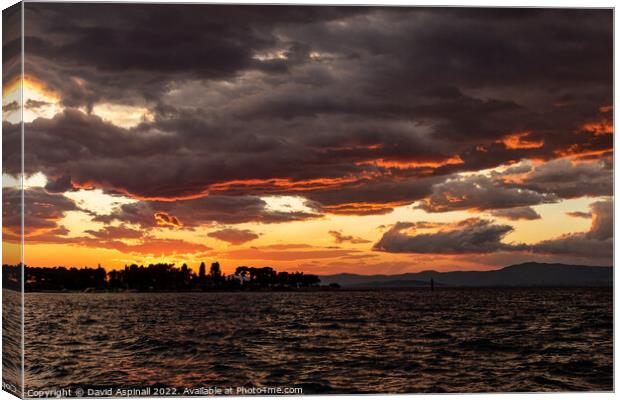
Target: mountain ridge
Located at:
point(523, 274)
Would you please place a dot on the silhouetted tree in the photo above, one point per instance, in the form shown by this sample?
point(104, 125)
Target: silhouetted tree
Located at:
point(202, 275)
point(184, 277)
point(215, 272)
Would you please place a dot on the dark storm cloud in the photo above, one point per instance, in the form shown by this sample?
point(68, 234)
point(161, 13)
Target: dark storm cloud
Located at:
point(577, 245)
point(196, 212)
point(358, 110)
point(374, 197)
point(233, 235)
point(74, 149)
point(12, 106)
point(480, 193)
point(476, 235)
point(215, 41)
point(339, 237)
point(11, 43)
point(512, 191)
point(602, 220)
point(570, 180)
point(74, 141)
point(596, 243)
point(579, 214)
point(145, 46)
point(116, 232)
point(12, 148)
point(42, 211)
point(472, 235)
point(168, 160)
point(517, 213)
point(35, 103)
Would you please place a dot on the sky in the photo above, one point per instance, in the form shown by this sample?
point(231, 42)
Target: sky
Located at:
point(366, 140)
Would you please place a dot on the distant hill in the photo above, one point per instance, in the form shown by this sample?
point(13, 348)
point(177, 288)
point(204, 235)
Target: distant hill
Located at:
point(396, 283)
point(526, 274)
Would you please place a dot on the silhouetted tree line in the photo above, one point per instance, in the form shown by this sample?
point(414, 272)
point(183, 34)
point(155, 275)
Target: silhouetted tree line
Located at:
point(11, 276)
point(155, 277)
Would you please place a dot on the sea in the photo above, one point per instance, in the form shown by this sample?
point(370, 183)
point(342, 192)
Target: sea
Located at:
point(400, 341)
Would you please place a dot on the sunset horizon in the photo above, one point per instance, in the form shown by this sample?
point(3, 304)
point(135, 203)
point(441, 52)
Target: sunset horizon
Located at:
point(229, 270)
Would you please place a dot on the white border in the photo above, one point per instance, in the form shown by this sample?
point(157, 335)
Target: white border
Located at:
point(452, 3)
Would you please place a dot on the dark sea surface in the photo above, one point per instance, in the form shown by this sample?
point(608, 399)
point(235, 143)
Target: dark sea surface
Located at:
point(449, 340)
point(11, 341)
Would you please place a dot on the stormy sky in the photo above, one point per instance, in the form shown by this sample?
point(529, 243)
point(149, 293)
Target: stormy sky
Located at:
point(326, 139)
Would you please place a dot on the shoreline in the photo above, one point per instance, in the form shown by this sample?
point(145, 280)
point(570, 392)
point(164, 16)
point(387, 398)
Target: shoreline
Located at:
point(321, 290)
